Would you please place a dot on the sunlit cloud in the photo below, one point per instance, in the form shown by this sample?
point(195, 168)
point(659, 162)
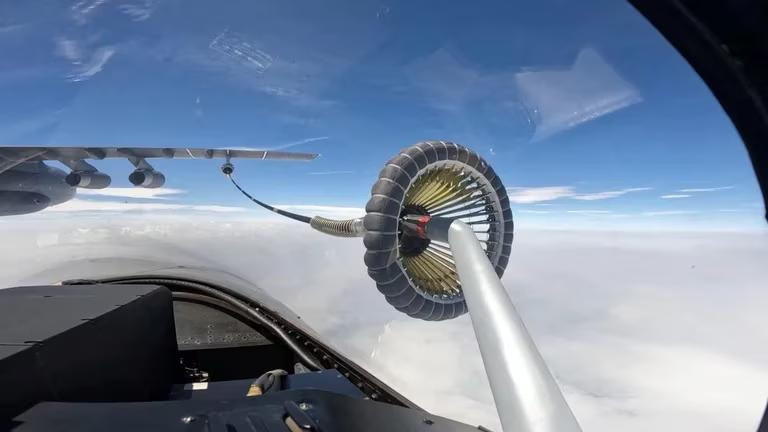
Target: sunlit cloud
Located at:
point(608, 194)
point(712, 189)
point(94, 65)
point(85, 63)
point(529, 195)
point(526, 195)
point(127, 192)
point(674, 196)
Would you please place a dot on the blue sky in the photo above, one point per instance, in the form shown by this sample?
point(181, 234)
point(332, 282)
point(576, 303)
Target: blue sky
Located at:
point(588, 115)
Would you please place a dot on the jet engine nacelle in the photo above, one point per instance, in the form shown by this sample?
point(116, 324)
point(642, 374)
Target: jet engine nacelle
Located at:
point(88, 179)
point(147, 178)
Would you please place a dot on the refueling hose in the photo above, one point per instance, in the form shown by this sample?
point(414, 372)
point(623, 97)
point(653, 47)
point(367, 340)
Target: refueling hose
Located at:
point(294, 216)
point(337, 228)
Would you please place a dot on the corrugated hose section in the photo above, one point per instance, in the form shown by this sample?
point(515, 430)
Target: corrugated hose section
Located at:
point(338, 228)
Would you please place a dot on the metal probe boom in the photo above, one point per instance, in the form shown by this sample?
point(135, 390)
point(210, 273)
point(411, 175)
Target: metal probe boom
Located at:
point(526, 394)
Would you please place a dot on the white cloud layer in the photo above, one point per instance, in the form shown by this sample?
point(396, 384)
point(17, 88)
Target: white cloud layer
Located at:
point(81, 205)
point(675, 196)
point(176, 209)
point(645, 331)
point(129, 192)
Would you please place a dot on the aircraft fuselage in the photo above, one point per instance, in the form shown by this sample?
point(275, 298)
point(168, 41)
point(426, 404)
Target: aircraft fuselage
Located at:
point(32, 186)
